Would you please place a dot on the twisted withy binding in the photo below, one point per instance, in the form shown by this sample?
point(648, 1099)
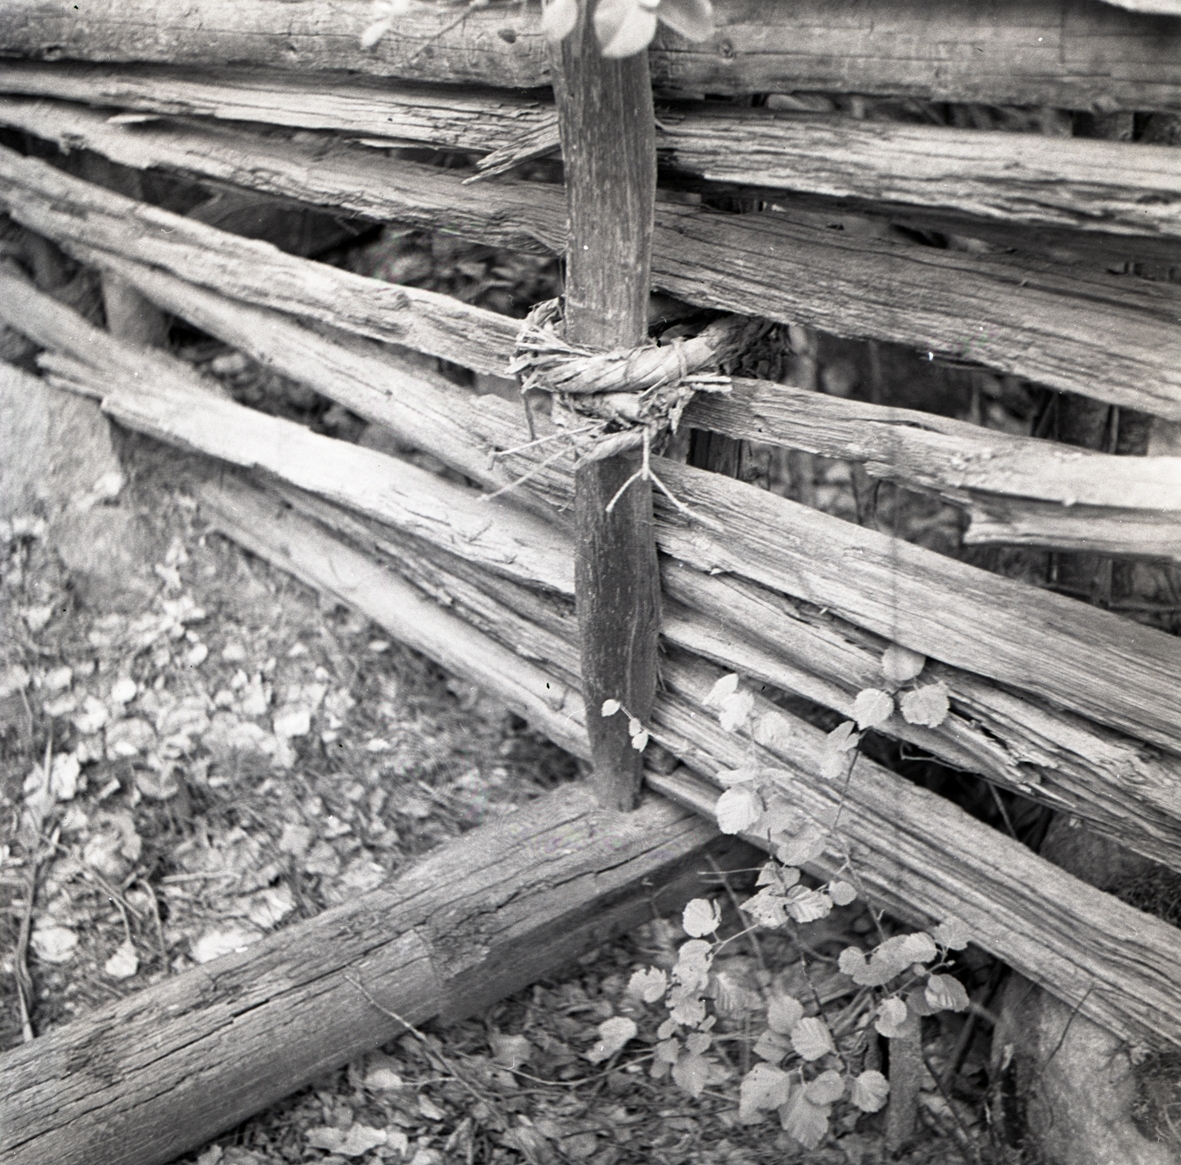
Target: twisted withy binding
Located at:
point(608, 403)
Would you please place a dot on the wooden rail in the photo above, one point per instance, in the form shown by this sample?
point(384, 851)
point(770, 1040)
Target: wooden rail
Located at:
point(162, 1072)
point(1015, 490)
point(1077, 54)
point(1075, 329)
point(1046, 754)
point(1107, 188)
point(924, 855)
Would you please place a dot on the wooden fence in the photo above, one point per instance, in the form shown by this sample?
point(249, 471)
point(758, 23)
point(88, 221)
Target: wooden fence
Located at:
point(1073, 706)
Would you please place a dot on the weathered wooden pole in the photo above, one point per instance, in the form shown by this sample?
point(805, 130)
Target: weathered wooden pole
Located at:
point(608, 134)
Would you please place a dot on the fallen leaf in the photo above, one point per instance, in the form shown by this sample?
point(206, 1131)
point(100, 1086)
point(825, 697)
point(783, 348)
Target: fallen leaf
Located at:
point(511, 1051)
point(289, 722)
point(54, 944)
point(613, 1034)
point(215, 943)
point(63, 776)
point(124, 962)
point(123, 690)
point(13, 679)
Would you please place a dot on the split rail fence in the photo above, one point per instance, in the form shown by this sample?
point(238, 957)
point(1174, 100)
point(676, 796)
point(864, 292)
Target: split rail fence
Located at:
point(1073, 706)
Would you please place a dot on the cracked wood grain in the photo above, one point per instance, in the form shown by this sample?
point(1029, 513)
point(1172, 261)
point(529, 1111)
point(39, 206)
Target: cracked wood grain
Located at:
point(1069, 53)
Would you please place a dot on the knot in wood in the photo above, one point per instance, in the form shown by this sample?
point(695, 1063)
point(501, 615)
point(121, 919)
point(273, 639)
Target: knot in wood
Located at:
point(636, 394)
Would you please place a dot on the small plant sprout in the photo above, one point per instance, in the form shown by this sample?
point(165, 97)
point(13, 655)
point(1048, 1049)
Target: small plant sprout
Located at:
point(635, 729)
point(806, 1065)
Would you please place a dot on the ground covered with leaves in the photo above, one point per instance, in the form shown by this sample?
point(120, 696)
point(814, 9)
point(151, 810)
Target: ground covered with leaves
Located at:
point(189, 771)
point(211, 753)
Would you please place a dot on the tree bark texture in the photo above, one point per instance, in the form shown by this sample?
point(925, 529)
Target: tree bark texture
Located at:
point(1121, 194)
point(1075, 54)
point(609, 154)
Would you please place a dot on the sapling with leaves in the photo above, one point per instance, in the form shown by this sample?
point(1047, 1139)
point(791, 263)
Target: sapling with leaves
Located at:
point(808, 1062)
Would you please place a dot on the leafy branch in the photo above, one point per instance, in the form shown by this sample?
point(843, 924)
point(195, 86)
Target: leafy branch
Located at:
point(807, 1064)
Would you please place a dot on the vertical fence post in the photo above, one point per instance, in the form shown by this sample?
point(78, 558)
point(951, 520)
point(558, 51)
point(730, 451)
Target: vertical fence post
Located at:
point(608, 136)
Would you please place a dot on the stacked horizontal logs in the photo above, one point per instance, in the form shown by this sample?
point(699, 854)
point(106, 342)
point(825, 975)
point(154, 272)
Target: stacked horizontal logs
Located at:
point(1073, 707)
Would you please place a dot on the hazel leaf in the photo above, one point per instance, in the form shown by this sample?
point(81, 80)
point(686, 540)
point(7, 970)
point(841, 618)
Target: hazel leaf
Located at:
point(827, 1088)
point(701, 917)
point(738, 808)
point(842, 893)
point(811, 1038)
point(868, 1091)
point(900, 664)
point(783, 1013)
point(693, 19)
point(764, 1087)
point(946, 993)
point(872, 708)
point(927, 706)
point(558, 19)
point(803, 1120)
point(613, 1034)
point(952, 933)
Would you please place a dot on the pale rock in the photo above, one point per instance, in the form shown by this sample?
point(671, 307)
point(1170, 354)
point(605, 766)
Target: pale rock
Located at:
point(255, 698)
point(62, 706)
point(123, 963)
